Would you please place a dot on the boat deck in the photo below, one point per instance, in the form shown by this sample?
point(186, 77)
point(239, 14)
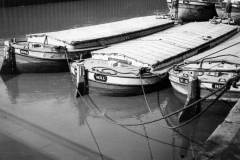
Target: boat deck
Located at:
point(112, 31)
point(163, 49)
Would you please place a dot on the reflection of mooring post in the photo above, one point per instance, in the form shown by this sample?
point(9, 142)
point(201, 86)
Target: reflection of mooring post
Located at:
point(193, 95)
point(8, 62)
point(81, 81)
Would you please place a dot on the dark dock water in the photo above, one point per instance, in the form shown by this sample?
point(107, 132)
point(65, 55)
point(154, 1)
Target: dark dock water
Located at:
point(41, 112)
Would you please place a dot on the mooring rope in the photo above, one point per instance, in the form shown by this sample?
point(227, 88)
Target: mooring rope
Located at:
point(109, 119)
point(175, 112)
point(175, 130)
point(144, 94)
point(91, 132)
point(148, 142)
point(199, 114)
point(95, 139)
point(227, 103)
point(123, 126)
point(227, 85)
point(146, 102)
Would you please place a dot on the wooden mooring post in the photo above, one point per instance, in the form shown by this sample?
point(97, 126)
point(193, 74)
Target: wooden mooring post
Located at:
point(81, 81)
point(8, 60)
point(224, 142)
point(193, 95)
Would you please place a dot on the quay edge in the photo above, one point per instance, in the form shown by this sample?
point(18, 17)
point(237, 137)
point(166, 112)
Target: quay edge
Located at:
point(223, 143)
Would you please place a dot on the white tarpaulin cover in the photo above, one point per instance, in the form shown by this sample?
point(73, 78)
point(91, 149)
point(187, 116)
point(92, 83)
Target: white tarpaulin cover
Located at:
point(76, 35)
point(166, 45)
point(227, 51)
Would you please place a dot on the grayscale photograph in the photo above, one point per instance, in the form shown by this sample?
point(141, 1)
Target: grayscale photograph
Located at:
point(119, 79)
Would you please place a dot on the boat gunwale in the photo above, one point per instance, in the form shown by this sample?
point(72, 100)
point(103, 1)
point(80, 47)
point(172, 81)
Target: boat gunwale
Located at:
point(42, 58)
point(125, 85)
point(201, 81)
point(39, 49)
point(207, 89)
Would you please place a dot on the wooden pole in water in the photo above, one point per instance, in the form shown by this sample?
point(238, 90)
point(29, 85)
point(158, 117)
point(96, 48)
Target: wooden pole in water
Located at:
point(81, 81)
point(193, 95)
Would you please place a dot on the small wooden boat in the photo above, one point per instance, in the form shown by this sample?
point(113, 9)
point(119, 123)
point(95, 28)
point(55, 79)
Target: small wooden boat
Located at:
point(116, 78)
point(212, 72)
point(36, 57)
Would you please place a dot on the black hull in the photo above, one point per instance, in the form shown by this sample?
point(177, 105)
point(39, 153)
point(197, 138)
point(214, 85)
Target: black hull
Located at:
point(25, 64)
point(189, 12)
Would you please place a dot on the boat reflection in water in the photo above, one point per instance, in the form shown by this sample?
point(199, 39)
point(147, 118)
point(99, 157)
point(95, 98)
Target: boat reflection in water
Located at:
point(47, 101)
point(36, 87)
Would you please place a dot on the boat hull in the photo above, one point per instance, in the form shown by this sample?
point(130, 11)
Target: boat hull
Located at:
point(40, 59)
point(206, 88)
point(27, 64)
point(194, 11)
point(122, 89)
point(106, 79)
